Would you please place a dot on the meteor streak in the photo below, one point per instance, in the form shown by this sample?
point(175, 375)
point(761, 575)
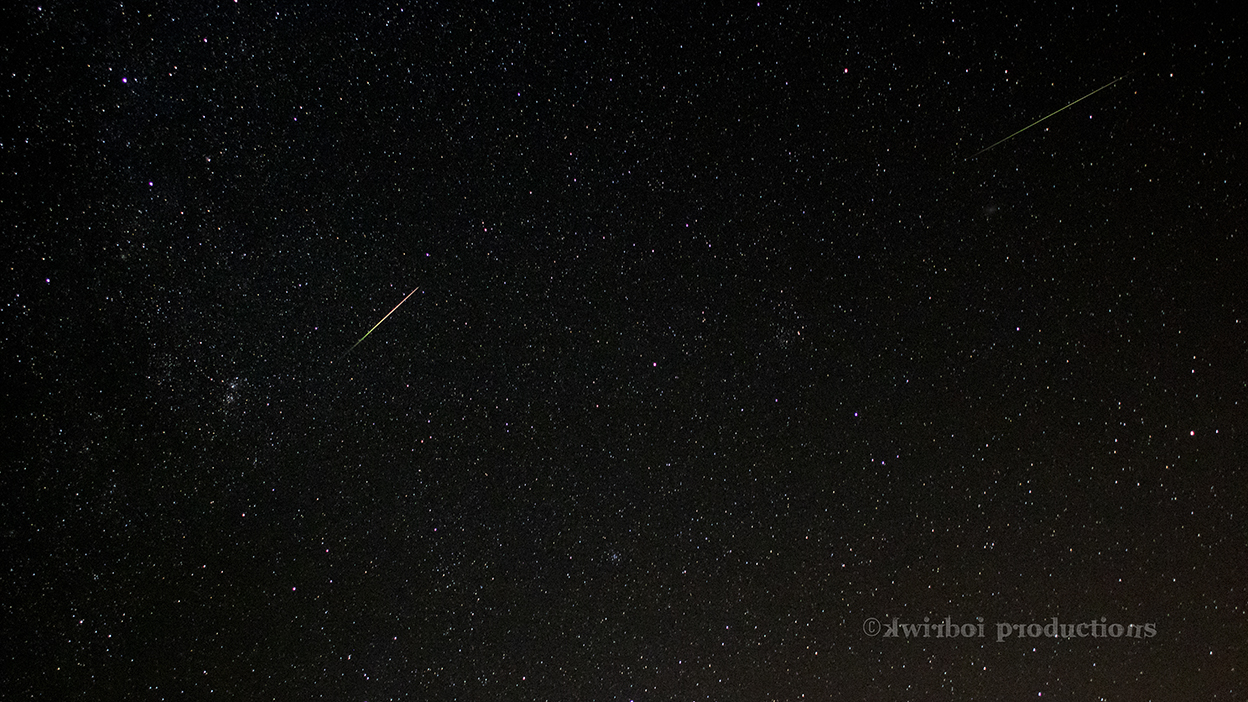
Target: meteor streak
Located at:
point(370, 331)
point(1085, 97)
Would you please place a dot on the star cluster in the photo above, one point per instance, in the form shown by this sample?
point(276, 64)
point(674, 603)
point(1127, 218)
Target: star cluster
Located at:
point(726, 342)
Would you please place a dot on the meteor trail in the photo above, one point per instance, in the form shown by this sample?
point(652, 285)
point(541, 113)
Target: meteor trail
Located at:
point(370, 331)
point(1085, 97)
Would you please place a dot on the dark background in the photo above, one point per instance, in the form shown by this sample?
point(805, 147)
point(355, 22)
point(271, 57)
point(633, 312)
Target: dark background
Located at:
point(724, 343)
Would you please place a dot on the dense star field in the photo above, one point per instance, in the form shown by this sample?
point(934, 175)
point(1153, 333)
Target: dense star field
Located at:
point(731, 342)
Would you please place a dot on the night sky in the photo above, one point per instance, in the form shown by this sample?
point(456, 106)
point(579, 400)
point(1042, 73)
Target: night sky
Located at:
point(726, 344)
